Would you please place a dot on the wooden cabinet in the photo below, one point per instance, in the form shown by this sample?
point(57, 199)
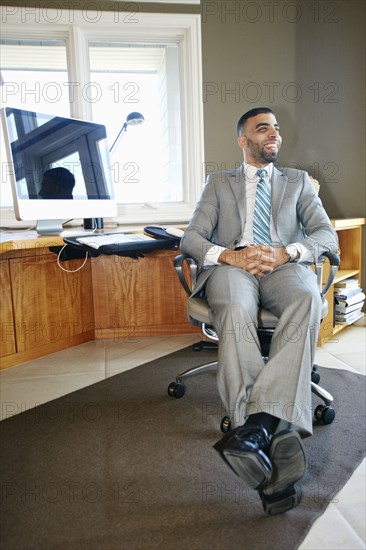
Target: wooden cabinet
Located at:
point(8, 346)
point(135, 298)
point(350, 243)
point(56, 307)
point(44, 309)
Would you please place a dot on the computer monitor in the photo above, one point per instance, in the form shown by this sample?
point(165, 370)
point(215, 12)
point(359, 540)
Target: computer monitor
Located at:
point(59, 169)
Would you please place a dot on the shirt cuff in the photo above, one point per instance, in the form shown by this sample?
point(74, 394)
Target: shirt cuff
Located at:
point(213, 254)
point(305, 254)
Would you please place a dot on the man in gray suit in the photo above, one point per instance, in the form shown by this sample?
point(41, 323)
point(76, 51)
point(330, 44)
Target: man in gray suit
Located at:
point(255, 234)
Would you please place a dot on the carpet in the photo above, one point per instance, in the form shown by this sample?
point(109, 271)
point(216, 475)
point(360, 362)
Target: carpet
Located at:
point(121, 465)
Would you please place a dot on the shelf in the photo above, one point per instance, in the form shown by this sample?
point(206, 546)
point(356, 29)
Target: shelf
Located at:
point(337, 327)
point(343, 274)
point(350, 243)
point(340, 224)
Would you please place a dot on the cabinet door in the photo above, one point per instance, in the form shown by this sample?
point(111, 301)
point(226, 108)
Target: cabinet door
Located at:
point(138, 297)
point(51, 306)
point(7, 318)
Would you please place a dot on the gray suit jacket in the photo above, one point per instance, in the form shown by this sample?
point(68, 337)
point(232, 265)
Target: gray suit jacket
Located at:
point(219, 218)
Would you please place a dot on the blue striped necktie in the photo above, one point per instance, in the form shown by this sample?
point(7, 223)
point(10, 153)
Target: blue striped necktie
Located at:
point(262, 211)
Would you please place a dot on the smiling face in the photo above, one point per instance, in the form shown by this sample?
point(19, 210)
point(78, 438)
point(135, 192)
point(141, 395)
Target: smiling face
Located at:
point(260, 139)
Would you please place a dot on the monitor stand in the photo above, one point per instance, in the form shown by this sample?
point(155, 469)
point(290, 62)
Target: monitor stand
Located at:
point(46, 228)
point(49, 227)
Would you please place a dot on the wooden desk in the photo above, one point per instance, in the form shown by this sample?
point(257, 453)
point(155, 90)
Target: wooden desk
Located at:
point(19, 241)
point(45, 309)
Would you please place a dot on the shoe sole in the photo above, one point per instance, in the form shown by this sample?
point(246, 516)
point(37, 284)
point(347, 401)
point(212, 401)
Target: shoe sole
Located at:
point(288, 461)
point(289, 465)
point(283, 502)
point(248, 467)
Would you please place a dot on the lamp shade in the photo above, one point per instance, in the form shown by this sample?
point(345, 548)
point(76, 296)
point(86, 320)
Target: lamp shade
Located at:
point(135, 118)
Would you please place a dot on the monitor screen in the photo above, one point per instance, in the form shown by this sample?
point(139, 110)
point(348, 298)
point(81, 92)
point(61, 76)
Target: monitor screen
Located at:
point(59, 168)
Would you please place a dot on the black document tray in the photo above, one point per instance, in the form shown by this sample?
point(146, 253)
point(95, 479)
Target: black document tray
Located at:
point(160, 233)
point(133, 249)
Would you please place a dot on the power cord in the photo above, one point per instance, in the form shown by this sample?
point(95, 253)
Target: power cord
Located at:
point(63, 248)
point(70, 270)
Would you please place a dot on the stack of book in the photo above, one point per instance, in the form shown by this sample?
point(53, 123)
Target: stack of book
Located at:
point(349, 300)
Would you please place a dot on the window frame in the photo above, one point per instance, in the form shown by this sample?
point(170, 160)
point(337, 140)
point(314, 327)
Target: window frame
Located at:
point(185, 29)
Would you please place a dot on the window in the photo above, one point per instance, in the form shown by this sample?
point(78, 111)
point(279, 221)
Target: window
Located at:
point(151, 63)
point(143, 77)
point(37, 86)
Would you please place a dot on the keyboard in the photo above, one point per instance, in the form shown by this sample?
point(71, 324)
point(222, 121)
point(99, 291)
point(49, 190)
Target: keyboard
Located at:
point(96, 241)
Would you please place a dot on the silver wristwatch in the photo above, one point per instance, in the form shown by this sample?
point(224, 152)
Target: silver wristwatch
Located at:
point(292, 251)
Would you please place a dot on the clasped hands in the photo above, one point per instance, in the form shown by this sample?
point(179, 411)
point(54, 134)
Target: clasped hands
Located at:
point(257, 259)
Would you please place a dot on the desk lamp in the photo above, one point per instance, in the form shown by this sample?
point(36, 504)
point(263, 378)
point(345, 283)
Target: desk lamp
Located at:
point(132, 120)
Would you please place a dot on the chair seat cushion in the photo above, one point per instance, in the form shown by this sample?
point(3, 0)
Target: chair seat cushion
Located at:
point(198, 310)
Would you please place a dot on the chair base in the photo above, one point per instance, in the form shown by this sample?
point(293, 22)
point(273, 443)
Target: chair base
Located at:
point(203, 344)
point(323, 413)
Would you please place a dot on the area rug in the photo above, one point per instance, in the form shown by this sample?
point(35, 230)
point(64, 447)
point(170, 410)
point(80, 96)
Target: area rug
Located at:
point(121, 465)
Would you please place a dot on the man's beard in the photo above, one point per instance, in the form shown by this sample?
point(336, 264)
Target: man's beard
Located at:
point(261, 155)
point(269, 157)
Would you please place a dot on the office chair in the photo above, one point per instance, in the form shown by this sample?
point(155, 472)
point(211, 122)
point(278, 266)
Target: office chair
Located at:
point(198, 315)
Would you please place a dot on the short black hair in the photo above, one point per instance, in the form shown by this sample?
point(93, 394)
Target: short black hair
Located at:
point(253, 112)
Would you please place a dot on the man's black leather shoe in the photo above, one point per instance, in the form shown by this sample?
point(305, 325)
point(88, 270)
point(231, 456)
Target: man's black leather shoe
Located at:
point(246, 450)
point(287, 455)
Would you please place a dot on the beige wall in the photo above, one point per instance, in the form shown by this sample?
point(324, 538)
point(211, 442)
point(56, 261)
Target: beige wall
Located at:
point(314, 65)
point(335, 132)
point(245, 65)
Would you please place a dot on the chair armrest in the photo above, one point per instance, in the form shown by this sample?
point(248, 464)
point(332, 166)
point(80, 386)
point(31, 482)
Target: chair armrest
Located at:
point(179, 262)
point(334, 260)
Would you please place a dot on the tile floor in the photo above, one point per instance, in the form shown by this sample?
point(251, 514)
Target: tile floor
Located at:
point(342, 526)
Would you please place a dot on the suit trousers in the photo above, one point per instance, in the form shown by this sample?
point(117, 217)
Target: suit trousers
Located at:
point(246, 383)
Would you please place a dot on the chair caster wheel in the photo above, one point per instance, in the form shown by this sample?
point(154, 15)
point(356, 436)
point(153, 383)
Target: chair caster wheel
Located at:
point(225, 425)
point(197, 347)
point(324, 414)
point(176, 389)
point(315, 376)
